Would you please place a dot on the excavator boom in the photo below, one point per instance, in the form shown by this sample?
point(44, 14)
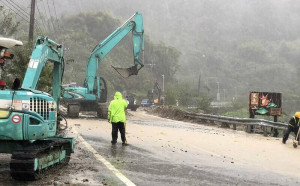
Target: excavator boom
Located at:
point(101, 50)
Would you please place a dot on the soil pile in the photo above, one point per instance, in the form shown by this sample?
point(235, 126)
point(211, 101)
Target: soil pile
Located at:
point(170, 112)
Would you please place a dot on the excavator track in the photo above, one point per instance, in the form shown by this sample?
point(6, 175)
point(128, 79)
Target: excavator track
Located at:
point(34, 161)
point(102, 110)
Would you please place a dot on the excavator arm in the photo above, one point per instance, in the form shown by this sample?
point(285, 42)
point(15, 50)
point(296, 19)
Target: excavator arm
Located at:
point(45, 50)
point(100, 51)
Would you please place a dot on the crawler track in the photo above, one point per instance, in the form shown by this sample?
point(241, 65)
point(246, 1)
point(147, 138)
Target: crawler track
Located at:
point(39, 158)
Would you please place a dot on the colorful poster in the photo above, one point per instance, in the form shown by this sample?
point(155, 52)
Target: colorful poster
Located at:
point(265, 103)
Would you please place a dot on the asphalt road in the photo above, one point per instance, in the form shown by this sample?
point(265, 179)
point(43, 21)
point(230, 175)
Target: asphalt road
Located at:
point(167, 152)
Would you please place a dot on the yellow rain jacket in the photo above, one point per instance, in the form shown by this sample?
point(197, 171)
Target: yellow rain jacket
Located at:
point(116, 109)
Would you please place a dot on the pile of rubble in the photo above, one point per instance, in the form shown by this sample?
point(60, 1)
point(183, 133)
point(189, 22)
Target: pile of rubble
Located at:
point(171, 112)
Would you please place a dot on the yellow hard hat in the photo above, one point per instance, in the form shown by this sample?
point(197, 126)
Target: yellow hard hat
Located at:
point(297, 114)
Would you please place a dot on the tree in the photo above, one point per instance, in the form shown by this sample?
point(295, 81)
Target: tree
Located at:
point(8, 25)
point(85, 30)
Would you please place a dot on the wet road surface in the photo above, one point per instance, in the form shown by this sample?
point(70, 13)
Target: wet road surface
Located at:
point(167, 152)
point(157, 157)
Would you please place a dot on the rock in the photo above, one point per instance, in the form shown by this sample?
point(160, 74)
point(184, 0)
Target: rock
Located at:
point(85, 180)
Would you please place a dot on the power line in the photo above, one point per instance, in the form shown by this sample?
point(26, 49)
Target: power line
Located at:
point(54, 9)
point(26, 12)
point(58, 24)
point(16, 12)
point(49, 26)
point(20, 9)
point(13, 5)
point(4, 3)
point(41, 17)
point(50, 16)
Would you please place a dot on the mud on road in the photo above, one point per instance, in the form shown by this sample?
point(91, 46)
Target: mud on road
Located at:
point(83, 169)
point(167, 152)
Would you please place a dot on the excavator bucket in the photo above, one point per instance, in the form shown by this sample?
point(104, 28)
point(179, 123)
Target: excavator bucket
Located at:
point(126, 72)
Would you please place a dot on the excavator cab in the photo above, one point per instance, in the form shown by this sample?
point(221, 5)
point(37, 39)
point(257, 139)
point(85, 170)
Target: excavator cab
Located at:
point(5, 44)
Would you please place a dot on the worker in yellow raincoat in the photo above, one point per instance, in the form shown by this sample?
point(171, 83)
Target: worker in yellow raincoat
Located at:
point(117, 117)
point(293, 126)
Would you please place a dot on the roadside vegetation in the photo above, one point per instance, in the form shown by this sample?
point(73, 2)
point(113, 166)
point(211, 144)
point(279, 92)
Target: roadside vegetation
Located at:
point(193, 65)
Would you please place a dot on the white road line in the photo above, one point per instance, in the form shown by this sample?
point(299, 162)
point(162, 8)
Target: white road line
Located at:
point(104, 161)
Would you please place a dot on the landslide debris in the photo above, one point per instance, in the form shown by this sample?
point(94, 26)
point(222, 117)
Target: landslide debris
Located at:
point(171, 112)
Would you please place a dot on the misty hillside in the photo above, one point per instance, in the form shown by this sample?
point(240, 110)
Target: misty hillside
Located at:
point(83, 35)
point(243, 45)
point(252, 45)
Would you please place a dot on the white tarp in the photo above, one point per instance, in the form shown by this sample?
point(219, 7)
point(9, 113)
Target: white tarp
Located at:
point(8, 43)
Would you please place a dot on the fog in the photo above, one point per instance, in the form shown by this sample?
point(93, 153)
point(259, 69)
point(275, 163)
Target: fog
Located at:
point(238, 45)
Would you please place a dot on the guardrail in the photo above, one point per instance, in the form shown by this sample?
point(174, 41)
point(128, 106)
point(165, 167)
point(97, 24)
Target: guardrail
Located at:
point(249, 122)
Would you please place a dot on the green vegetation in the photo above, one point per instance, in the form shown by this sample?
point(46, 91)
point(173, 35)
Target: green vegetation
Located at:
point(242, 46)
point(86, 30)
point(8, 25)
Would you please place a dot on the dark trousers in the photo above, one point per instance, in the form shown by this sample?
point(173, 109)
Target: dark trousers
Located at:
point(114, 133)
point(289, 130)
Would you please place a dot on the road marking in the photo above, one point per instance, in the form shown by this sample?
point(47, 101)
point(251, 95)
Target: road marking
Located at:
point(104, 161)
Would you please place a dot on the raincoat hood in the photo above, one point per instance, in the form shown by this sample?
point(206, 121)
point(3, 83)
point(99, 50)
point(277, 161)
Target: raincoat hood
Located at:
point(116, 109)
point(118, 96)
point(297, 114)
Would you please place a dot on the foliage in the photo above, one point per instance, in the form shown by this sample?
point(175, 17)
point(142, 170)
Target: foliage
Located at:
point(203, 103)
point(240, 113)
point(8, 25)
point(245, 46)
point(85, 30)
point(16, 67)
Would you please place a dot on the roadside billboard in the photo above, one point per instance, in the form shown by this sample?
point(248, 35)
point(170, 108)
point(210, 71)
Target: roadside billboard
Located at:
point(265, 103)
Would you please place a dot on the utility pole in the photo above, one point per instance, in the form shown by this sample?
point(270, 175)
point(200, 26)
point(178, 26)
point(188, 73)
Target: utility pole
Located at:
point(218, 94)
point(31, 24)
point(163, 76)
point(199, 84)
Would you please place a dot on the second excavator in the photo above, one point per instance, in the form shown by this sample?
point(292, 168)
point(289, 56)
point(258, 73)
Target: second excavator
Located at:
point(93, 95)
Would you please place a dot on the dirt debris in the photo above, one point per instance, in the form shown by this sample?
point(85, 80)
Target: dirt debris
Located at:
point(170, 112)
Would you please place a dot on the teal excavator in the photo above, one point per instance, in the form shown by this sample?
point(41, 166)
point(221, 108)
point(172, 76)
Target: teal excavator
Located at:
point(93, 95)
point(29, 118)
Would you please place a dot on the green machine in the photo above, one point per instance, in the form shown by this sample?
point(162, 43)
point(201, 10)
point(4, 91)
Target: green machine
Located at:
point(93, 95)
point(29, 118)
